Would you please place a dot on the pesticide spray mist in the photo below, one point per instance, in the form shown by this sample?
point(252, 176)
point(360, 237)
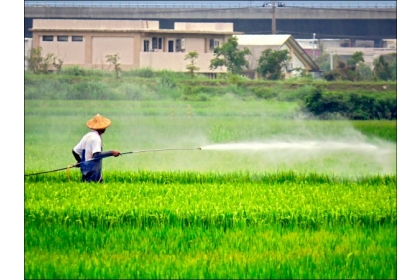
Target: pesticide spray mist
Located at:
point(296, 146)
point(337, 156)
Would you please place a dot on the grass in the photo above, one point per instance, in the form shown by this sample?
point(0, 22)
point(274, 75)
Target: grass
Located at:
point(205, 225)
point(55, 127)
point(215, 214)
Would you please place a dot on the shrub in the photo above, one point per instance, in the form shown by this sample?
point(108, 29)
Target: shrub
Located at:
point(146, 72)
point(89, 90)
point(355, 106)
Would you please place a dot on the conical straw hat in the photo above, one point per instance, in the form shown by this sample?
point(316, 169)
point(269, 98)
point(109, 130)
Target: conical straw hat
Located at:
point(98, 122)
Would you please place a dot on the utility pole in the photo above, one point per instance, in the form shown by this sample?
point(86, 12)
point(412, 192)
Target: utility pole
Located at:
point(313, 47)
point(273, 17)
point(331, 62)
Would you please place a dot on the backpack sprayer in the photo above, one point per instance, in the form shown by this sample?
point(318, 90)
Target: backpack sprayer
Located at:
point(126, 153)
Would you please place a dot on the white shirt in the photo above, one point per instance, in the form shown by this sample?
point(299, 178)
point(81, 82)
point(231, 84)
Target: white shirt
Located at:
point(91, 143)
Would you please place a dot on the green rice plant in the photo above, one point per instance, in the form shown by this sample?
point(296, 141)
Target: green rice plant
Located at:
point(253, 252)
point(195, 225)
point(260, 199)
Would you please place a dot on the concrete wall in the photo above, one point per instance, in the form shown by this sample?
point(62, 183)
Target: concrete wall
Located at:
point(100, 39)
point(208, 26)
point(70, 52)
point(176, 62)
point(27, 48)
point(209, 13)
point(110, 45)
point(97, 24)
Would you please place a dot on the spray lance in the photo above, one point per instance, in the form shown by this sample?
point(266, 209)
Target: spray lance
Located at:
point(125, 153)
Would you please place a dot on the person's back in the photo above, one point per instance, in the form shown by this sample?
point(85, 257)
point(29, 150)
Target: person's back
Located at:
point(88, 152)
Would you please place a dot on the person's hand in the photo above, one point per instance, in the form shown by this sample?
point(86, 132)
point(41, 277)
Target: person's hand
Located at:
point(115, 153)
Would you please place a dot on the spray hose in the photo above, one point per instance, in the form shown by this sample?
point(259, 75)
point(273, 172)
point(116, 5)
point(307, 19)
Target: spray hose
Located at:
point(125, 153)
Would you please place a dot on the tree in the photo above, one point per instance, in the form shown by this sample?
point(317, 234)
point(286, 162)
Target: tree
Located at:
point(385, 67)
point(39, 64)
point(114, 60)
point(271, 63)
point(347, 71)
point(230, 56)
point(364, 73)
point(192, 67)
point(355, 58)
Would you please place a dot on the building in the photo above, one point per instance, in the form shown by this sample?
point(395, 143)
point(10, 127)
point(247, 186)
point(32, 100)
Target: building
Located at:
point(310, 46)
point(258, 43)
point(27, 48)
point(139, 43)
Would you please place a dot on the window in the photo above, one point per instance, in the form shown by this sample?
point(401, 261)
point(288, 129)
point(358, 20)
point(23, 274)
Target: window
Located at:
point(62, 38)
point(157, 43)
point(213, 43)
point(180, 44)
point(146, 44)
point(171, 46)
point(77, 38)
point(47, 38)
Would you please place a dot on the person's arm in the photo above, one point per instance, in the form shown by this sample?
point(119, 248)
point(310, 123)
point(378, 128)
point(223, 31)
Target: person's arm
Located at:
point(77, 157)
point(106, 154)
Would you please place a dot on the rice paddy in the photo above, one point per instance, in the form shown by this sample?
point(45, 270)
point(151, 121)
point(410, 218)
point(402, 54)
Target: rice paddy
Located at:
point(289, 213)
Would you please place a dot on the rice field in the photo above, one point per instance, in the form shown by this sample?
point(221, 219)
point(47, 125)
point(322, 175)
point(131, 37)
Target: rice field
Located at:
point(320, 203)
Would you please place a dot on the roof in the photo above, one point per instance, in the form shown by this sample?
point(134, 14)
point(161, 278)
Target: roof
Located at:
point(277, 40)
point(170, 31)
point(127, 26)
point(262, 40)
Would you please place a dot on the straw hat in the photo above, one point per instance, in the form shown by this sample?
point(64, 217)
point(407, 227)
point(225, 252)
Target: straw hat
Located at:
point(98, 122)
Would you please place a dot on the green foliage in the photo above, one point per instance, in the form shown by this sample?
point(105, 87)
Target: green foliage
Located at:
point(230, 56)
point(385, 67)
point(77, 71)
point(90, 90)
point(355, 58)
point(364, 73)
point(192, 56)
point(191, 225)
point(114, 60)
point(353, 106)
point(350, 71)
point(38, 64)
point(146, 72)
point(271, 64)
point(88, 84)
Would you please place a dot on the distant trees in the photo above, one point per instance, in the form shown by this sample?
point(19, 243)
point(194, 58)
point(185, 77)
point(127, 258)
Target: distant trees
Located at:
point(230, 56)
point(385, 67)
point(39, 64)
point(271, 64)
point(347, 70)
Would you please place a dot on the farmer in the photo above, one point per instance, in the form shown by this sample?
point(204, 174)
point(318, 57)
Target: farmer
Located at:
point(88, 152)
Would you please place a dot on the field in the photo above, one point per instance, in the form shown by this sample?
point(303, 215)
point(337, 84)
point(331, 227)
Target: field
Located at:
point(271, 194)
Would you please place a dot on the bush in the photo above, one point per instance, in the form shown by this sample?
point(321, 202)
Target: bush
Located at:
point(76, 71)
point(354, 106)
point(146, 72)
point(91, 90)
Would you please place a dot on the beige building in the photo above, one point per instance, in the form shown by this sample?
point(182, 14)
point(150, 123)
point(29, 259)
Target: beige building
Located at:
point(139, 43)
point(258, 43)
point(27, 48)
